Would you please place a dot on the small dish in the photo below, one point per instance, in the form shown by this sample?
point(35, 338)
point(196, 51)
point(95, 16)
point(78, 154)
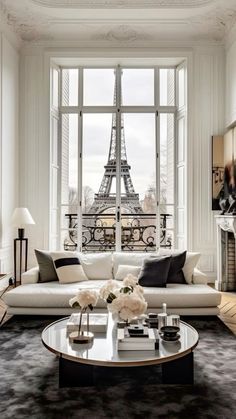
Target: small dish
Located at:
point(170, 339)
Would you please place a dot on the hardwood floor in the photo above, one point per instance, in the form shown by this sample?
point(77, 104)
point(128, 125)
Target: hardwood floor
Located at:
point(227, 310)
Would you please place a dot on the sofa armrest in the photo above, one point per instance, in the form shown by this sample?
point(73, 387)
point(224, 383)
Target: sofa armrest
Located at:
point(31, 276)
point(199, 277)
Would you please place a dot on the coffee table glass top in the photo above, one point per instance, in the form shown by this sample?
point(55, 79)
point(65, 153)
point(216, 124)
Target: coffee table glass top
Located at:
point(103, 350)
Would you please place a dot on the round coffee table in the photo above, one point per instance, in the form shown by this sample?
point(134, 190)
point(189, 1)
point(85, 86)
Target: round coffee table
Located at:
point(78, 361)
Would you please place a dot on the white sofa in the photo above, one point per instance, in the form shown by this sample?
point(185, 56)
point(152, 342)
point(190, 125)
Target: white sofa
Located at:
point(52, 298)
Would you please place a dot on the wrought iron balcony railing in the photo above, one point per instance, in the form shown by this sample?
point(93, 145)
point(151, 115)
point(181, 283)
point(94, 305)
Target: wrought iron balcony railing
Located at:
point(138, 232)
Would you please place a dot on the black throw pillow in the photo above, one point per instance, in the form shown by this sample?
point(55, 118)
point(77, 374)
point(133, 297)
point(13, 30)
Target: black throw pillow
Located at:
point(154, 272)
point(47, 271)
point(175, 275)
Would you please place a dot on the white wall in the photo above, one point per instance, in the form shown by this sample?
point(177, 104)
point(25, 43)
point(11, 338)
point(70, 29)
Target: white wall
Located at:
point(9, 170)
point(230, 94)
point(35, 148)
point(207, 119)
point(206, 78)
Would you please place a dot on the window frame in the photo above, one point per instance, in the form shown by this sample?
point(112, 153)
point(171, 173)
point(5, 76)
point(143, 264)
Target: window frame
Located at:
point(119, 109)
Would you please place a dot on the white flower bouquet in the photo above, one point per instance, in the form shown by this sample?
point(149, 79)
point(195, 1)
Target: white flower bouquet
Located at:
point(84, 299)
point(124, 299)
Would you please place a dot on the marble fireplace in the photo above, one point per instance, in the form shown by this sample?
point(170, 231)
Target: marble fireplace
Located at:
point(226, 254)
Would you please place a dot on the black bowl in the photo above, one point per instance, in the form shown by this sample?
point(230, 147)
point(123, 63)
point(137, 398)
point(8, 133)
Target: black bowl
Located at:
point(170, 331)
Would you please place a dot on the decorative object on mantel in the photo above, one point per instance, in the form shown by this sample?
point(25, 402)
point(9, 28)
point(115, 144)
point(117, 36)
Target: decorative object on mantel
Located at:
point(224, 173)
point(226, 253)
point(124, 299)
point(20, 218)
point(217, 171)
point(84, 299)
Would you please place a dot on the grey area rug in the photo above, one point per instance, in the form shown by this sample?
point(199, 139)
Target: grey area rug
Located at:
point(29, 380)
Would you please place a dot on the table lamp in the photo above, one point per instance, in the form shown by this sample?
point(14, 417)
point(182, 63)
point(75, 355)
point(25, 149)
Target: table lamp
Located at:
point(20, 218)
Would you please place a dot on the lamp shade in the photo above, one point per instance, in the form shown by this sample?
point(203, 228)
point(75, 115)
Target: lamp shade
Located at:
point(21, 217)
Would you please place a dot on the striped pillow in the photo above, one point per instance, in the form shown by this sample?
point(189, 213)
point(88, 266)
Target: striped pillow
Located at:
point(68, 268)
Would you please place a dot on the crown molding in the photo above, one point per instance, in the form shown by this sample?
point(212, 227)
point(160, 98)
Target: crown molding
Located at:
point(123, 4)
point(33, 23)
point(230, 37)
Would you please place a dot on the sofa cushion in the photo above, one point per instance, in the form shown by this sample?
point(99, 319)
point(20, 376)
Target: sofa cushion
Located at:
point(47, 271)
point(191, 261)
point(129, 258)
point(154, 272)
point(68, 268)
point(49, 294)
point(124, 270)
point(175, 274)
point(97, 265)
point(53, 294)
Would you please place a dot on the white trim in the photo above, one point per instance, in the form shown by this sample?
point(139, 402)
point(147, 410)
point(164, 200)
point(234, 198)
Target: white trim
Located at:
point(118, 159)
point(180, 54)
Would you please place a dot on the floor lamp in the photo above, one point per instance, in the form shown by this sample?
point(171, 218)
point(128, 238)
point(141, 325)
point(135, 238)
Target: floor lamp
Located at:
point(20, 218)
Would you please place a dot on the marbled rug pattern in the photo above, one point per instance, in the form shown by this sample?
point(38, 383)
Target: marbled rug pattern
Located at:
point(29, 381)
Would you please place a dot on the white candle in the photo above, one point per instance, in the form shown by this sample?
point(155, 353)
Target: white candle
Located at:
point(164, 307)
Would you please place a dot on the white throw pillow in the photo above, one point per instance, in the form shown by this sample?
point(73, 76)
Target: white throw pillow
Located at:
point(191, 261)
point(130, 258)
point(68, 267)
point(124, 270)
point(97, 265)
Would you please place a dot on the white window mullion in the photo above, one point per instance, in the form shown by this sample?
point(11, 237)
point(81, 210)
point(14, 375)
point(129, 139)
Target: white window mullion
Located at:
point(157, 180)
point(118, 159)
point(157, 146)
point(80, 154)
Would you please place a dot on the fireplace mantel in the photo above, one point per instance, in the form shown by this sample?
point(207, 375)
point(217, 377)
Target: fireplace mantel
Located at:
point(226, 222)
point(226, 252)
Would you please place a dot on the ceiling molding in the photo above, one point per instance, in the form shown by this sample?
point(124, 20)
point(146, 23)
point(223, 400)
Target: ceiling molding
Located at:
point(218, 22)
point(33, 22)
point(26, 25)
point(123, 4)
point(123, 34)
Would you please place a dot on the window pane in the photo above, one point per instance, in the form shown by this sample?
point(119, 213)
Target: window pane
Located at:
point(69, 155)
point(69, 179)
point(167, 87)
point(99, 87)
point(167, 159)
point(70, 82)
point(137, 87)
point(55, 86)
point(99, 183)
point(138, 190)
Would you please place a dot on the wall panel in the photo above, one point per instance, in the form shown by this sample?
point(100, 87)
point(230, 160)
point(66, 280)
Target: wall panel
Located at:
point(208, 120)
point(9, 173)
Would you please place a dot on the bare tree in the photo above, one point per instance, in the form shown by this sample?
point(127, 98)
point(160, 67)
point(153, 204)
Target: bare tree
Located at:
point(73, 200)
point(88, 196)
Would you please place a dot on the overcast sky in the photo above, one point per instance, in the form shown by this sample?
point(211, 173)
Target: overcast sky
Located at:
point(139, 129)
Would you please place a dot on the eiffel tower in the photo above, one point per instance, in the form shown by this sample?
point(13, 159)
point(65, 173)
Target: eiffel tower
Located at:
point(104, 199)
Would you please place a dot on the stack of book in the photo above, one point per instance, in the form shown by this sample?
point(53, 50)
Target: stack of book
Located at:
point(97, 322)
point(144, 341)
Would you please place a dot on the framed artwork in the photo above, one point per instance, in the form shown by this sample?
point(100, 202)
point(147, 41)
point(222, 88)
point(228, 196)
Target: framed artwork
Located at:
point(217, 170)
point(223, 167)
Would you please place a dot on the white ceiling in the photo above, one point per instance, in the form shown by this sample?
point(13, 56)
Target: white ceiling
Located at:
point(131, 22)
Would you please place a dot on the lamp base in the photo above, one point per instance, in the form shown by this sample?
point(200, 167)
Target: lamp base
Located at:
point(21, 233)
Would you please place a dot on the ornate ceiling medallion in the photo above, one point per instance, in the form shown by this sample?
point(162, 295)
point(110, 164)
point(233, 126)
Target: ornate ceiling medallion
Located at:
point(121, 33)
point(123, 4)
